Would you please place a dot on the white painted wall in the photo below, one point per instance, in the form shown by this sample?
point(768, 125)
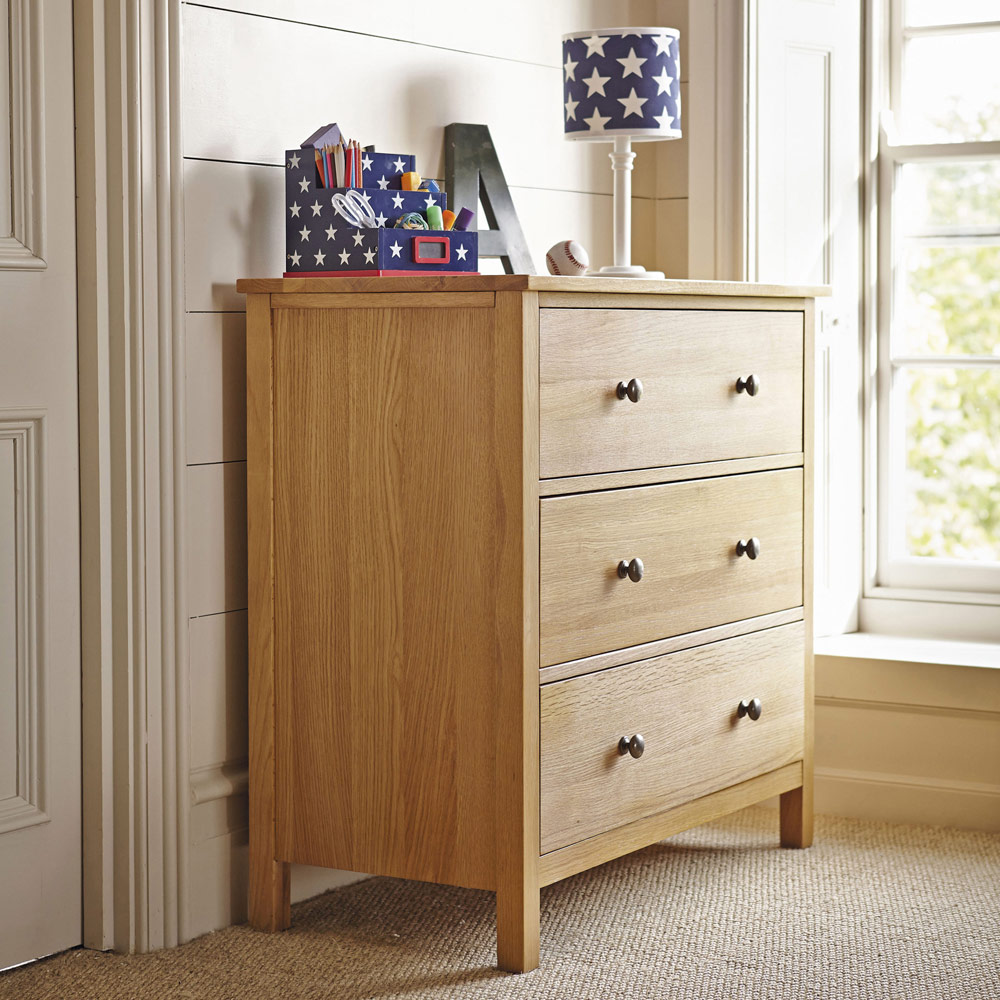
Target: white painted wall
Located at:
point(258, 76)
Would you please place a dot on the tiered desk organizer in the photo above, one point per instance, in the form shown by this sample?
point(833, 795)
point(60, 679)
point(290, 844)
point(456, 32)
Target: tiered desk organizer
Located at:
point(320, 242)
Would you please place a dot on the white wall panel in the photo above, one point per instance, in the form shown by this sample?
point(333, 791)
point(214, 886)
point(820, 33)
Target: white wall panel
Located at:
point(525, 31)
point(215, 387)
point(216, 538)
point(672, 237)
point(218, 655)
point(396, 95)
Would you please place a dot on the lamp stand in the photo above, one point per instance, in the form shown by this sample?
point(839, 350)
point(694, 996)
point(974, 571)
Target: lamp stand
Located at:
point(621, 165)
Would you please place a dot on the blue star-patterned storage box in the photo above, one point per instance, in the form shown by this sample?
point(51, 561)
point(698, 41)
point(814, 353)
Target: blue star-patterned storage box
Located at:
point(321, 241)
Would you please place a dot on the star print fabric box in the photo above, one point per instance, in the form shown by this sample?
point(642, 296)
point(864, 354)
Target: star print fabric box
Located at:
point(321, 241)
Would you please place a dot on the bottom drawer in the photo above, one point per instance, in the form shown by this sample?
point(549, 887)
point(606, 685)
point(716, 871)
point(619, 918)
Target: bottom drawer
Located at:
point(685, 706)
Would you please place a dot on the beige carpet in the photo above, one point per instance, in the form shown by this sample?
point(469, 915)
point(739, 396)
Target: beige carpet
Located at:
point(871, 911)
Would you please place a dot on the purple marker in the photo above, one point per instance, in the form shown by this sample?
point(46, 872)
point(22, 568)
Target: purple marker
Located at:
point(463, 220)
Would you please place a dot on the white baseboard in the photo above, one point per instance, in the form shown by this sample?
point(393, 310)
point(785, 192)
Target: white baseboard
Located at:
point(217, 895)
point(896, 798)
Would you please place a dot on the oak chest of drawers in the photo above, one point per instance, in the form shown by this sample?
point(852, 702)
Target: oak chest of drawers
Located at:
point(530, 575)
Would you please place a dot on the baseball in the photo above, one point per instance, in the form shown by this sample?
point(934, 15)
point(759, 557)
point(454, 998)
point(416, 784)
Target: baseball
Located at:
point(567, 258)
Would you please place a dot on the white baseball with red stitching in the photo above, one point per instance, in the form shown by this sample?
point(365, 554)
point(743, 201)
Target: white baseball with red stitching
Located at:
point(567, 258)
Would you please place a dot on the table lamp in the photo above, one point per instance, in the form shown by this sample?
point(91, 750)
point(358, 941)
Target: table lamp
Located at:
point(621, 84)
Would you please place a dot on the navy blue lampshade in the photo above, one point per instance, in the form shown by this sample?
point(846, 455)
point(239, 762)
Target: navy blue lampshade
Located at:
point(622, 81)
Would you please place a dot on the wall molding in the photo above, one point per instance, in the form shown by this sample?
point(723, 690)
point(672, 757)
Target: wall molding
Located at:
point(130, 308)
point(22, 233)
point(26, 429)
point(219, 781)
point(901, 798)
point(911, 708)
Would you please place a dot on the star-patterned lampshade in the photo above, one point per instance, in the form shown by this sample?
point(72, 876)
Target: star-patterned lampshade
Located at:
point(622, 81)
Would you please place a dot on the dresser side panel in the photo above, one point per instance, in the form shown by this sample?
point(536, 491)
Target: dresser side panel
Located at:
point(517, 788)
point(389, 515)
point(269, 896)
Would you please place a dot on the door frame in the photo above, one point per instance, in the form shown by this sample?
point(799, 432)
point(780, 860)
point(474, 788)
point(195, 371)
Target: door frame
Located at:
point(131, 355)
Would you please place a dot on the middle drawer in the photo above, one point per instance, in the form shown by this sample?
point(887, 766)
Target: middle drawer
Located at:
point(685, 535)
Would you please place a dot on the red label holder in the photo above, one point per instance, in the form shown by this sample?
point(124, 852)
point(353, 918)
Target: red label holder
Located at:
point(420, 241)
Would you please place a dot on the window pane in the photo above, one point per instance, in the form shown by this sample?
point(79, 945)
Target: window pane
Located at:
point(950, 300)
point(952, 483)
point(948, 194)
point(923, 12)
point(951, 88)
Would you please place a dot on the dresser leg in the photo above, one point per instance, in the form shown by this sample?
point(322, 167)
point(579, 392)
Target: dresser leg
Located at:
point(517, 929)
point(797, 816)
point(270, 892)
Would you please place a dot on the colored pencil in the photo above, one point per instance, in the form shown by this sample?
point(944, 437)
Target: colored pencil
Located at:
point(338, 164)
point(328, 164)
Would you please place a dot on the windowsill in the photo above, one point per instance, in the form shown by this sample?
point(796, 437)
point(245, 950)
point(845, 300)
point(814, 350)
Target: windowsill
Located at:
point(903, 649)
point(865, 669)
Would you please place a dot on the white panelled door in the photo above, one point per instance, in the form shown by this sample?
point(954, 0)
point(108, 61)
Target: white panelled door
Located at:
point(804, 196)
point(40, 829)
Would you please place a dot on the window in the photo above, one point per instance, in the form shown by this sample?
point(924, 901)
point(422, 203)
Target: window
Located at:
point(938, 343)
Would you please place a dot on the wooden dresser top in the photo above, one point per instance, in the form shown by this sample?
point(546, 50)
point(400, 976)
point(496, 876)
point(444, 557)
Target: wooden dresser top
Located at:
point(526, 282)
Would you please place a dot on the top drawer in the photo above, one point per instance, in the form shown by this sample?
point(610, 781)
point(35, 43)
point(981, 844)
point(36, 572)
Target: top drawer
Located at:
point(688, 363)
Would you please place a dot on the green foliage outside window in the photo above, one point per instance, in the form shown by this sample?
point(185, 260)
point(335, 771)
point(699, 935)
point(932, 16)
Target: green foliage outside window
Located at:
point(953, 414)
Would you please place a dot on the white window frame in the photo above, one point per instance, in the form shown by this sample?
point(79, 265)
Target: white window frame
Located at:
point(918, 596)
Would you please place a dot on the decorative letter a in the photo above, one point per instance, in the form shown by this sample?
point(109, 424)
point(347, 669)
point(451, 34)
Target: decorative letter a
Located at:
point(473, 174)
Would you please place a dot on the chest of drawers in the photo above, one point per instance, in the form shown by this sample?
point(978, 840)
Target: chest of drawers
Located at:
point(530, 575)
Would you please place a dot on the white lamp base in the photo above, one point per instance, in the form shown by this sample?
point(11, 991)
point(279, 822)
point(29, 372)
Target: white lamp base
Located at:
point(627, 271)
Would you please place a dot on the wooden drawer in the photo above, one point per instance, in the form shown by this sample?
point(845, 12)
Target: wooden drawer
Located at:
point(685, 706)
point(688, 363)
point(685, 534)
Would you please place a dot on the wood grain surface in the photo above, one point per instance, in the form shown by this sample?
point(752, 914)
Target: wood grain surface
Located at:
point(647, 650)
point(686, 535)
point(269, 901)
point(584, 854)
point(684, 704)
point(666, 474)
point(516, 623)
point(796, 806)
point(528, 282)
point(699, 297)
point(688, 363)
point(397, 566)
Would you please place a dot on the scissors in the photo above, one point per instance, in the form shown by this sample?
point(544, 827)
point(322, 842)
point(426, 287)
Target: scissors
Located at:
point(355, 209)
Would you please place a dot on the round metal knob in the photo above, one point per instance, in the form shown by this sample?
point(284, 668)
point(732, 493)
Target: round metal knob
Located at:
point(750, 385)
point(633, 569)
point(750, 708)
point(749, 548)
point(633, 390)
point(634, 746)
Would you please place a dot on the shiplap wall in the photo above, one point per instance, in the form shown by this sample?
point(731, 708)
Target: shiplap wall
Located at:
point(258, 76)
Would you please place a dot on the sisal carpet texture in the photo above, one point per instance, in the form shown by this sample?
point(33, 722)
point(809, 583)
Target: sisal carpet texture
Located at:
point(871, 911)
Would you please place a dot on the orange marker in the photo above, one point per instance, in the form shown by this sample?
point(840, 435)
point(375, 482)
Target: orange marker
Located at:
point(410, 181)
point(449, 218)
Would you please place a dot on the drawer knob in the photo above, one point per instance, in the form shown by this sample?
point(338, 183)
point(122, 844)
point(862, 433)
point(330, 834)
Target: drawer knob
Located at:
point(634, 746)
point(633, 569)
point(751, 708)
point(633, 390)
point(749, 548)
point(750, 385)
